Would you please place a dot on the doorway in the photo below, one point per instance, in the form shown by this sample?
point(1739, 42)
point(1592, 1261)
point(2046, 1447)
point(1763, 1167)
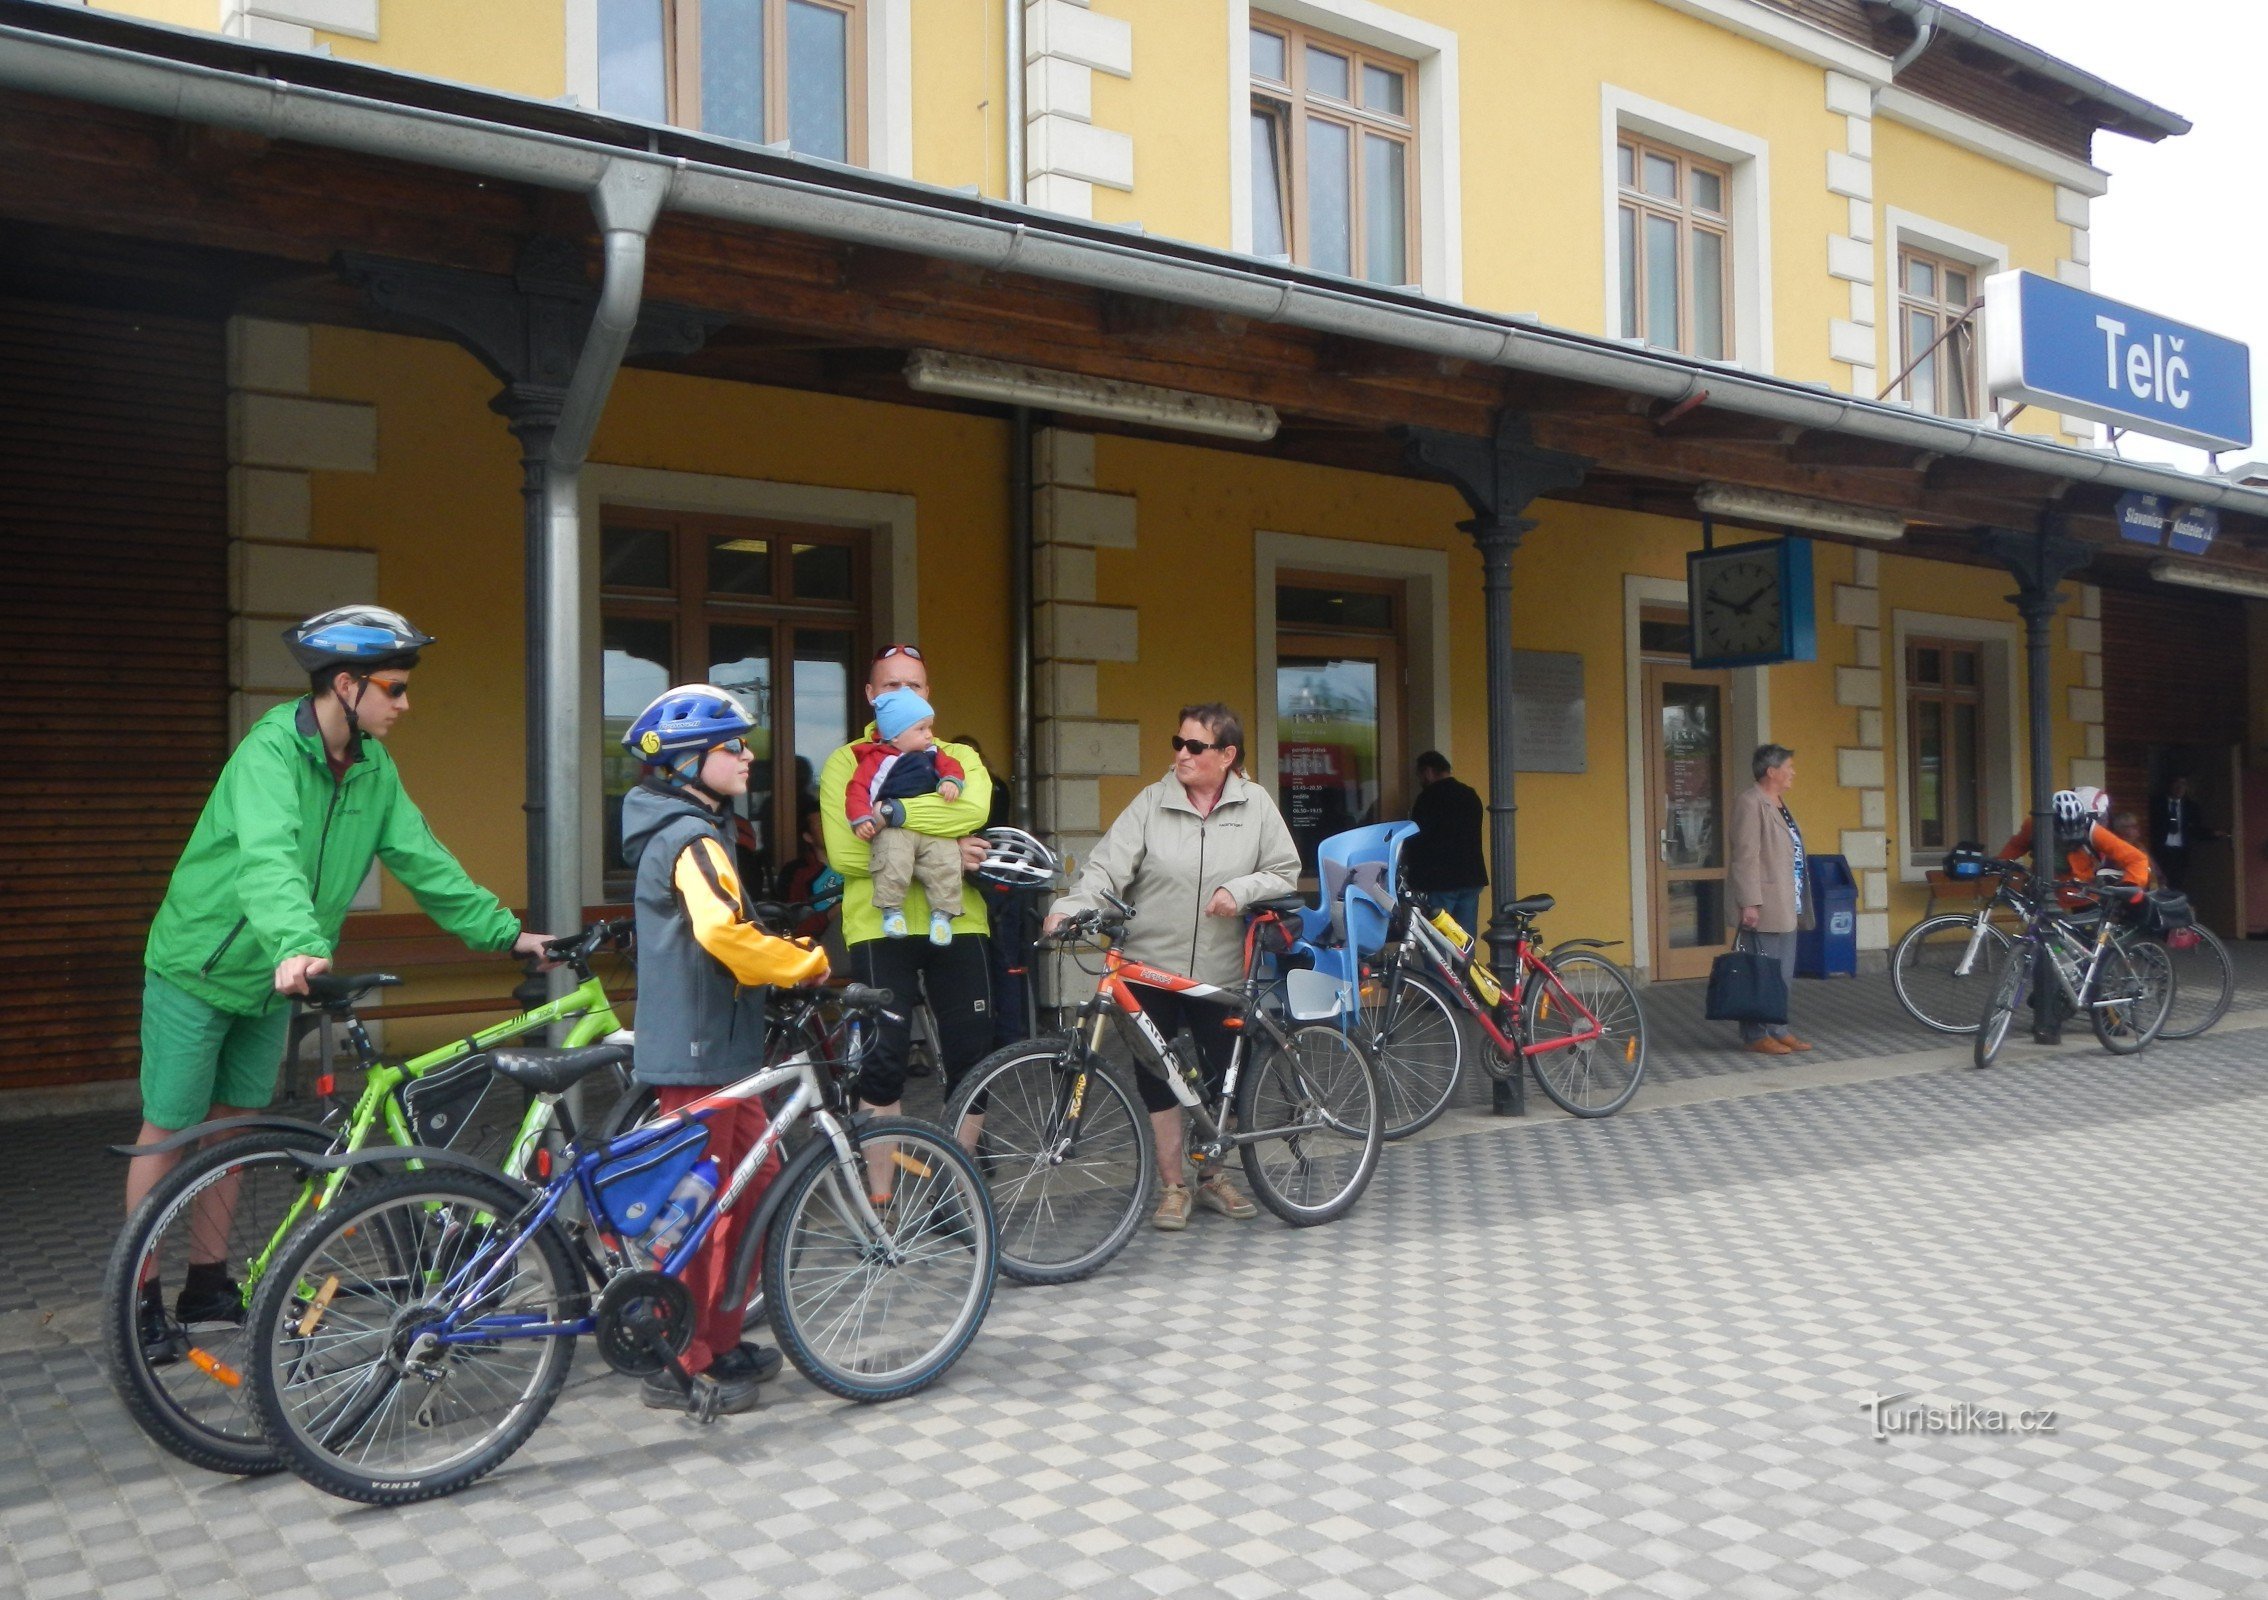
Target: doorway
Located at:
point(1688, 783)
point(1339, 710)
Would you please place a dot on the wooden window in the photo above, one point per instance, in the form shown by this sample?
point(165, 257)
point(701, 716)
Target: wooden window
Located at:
point(1334, 154)
point(774, 612)
point(1934, 294)
point(766, 71)
point(1945, 741)
point(1675, 227)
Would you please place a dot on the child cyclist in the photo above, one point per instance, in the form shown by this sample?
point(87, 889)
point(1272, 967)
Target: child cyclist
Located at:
point(703, 967)
point(2088, 846)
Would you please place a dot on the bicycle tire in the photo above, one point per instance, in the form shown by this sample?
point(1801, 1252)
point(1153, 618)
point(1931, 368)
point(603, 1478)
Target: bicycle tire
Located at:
point(1420, 1055)
point(1057, 1225)
point(1923, 971)
point(393, 1235)
point(1615, 1061)
point(2000, 1009)
point(824, 1279)
point(1323, 1082)
point(2143, 998)
point(199, 1410)
point(2204, 971)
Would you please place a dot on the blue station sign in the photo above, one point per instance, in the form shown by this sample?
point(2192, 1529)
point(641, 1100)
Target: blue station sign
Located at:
point(2152, 519)
point(2048, 344)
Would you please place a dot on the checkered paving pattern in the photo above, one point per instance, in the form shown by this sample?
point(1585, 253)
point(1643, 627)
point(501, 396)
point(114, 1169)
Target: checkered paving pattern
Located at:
point(1557, 1360)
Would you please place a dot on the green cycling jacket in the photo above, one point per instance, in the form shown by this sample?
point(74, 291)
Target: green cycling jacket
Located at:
point(278, 855)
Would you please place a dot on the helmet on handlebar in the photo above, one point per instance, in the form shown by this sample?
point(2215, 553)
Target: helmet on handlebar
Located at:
point(1015, 860)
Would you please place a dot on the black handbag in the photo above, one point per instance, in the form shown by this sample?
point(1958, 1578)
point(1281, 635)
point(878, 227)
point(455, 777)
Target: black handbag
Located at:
point(1745, 986)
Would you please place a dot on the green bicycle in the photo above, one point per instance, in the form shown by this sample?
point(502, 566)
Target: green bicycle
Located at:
point(179, 1367)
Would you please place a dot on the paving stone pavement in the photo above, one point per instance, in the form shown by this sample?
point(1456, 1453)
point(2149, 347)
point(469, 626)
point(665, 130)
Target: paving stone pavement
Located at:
point(1555, 1359)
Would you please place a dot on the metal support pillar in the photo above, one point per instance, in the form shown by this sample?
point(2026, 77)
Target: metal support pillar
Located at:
point(1023, 759)
point(2040, 560)
point(1498, 476)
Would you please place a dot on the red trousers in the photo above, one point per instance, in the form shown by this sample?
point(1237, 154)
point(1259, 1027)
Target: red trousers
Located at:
point(733, 1132)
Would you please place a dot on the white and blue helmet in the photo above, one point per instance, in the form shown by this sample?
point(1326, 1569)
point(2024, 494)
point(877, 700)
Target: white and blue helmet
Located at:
point(360, 639)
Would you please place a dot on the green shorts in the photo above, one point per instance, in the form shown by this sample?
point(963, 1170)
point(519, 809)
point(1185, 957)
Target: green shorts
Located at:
point(194, 1056)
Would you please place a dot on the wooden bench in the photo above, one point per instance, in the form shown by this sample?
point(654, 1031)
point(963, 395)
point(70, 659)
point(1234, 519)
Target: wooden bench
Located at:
point(1942, 887)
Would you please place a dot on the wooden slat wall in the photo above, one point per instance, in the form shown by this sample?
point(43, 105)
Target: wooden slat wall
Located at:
point(113, 661)
point(2174, 672)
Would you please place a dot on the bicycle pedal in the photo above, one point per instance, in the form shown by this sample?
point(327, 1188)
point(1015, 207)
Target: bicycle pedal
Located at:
point(703, 1399)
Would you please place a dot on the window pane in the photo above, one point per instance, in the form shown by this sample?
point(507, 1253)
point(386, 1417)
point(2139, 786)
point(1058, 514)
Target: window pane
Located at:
point(1692, 735)
point(1708, 192)
point(1268, 56)
point(1929, 773)
point(1956, 289)
point(1382, 90)
point(635, 661)
point(732, 68)
point(1661, 282)
point(1270, 236)
point(1326, 747)
point(1369, 609)
point(1708, 294)
point(740, 660)
point(1964, 664)
point(630, 75)
point(1661, 176)
point(1921, 383)
point(1385, 211)
point(634, 558)
point(822, 704)
point(1921, 278)
point(1629, 273)
point(822, 572)
point(1963, 807)
point(1330, 243)
point(1953, 362)
point(1326, 74)
point(1625, 160)
point(740, 567)
point(1929, 666)
point(818, 41)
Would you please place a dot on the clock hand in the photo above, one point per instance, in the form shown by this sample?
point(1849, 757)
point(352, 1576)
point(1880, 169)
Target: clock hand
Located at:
point(1743, 605)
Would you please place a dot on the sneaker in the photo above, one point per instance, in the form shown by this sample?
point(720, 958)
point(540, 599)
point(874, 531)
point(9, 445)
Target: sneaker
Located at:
point(755, 1362)
point(1172, 1214)
point(1218, 1194)
point(223, 1302)
point(163, 1341)
point(734, 1395)
point(894, 923)
point(940, 928)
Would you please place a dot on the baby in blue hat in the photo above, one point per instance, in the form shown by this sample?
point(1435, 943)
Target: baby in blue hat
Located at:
point(902, 760)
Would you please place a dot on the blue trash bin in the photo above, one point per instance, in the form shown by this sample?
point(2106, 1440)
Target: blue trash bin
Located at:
point(1829, 947)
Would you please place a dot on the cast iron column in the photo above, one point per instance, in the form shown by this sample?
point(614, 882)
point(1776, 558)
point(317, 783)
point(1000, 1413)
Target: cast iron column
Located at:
point(1498, 476)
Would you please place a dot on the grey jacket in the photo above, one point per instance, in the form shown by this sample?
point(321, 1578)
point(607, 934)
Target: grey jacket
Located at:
point(1167, 861)
point(1762, 865)
point(696, 1024)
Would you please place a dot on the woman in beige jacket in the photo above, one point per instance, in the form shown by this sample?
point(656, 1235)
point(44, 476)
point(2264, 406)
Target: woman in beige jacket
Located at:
point(1189, 854)
point(1768, 886)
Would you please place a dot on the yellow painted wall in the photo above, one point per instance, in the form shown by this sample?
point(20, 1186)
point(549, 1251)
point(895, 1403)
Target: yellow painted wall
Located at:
point(519, 46)
point(203, 14)
point(959, 94)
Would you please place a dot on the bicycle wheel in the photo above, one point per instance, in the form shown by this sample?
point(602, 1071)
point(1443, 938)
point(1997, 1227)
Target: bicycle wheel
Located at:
point(2204, 982)
point(347, 1379)
point(1943, 968)
point(1596, 1078)
point(1068, 1193)
point(2134, 989)
point(874, 1319)
point(1414, 1037)
point(182, 1381)
point(2000, 1011)
point(1314, 1109)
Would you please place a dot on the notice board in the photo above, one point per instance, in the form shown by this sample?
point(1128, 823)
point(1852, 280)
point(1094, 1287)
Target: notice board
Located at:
point(1547, 711)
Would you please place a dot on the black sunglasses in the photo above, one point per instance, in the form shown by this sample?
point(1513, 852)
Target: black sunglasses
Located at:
point(1198, 747)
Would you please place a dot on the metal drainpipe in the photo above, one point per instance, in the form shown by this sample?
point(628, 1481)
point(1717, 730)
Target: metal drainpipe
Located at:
point(626, 201)
point(1025, 764)
point(1014, 34)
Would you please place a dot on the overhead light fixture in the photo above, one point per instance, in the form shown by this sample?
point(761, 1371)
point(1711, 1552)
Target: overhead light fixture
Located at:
point(1012, 383)
point(2167, 570)
point(1796, 511)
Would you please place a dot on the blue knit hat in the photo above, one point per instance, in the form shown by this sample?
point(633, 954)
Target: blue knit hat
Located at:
point(897, 710)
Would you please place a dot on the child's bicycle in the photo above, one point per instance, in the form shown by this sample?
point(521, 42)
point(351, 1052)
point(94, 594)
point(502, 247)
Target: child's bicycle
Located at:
point(413, 1333)
point(179, 1365)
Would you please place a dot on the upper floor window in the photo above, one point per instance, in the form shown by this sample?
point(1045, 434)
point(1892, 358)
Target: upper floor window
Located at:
point(1334, 154)
point(1934, 296)
point(765, 71)
point(1675, 225)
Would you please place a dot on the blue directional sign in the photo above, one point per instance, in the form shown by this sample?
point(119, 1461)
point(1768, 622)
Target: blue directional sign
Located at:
point(2142, 518)
point(2048, 344)
point(2192, 529)
point(2155, 520)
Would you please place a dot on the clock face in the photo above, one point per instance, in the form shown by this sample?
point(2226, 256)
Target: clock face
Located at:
point(1737, 604)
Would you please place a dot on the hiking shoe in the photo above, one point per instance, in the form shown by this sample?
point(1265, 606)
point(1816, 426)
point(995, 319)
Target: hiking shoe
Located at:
point(894, 923)
point(1172, 1214)
point(1218, 1194)
point(940, 928)
point(755, 1362)
point(222, 1302)
point(734, 1395)
point(163, 1341)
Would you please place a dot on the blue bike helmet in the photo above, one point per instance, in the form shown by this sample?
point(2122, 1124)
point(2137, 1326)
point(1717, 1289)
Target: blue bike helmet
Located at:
point(685, 722)
point(361, 639)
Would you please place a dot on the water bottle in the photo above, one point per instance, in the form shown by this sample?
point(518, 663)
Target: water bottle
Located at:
point(685, 1203)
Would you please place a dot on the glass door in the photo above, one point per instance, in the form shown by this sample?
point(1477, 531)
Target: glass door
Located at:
point(1688, 779)
point(1338, 736)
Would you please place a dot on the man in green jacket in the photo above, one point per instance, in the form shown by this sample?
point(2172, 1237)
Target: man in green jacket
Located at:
point(256, 903)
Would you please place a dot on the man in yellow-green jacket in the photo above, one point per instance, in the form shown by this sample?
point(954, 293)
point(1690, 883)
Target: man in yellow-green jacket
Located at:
point(306, 802)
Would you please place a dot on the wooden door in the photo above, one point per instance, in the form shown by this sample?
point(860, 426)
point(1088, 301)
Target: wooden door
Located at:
point(1688, 786)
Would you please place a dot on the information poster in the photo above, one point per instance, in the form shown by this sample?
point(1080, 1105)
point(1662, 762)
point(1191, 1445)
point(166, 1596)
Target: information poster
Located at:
point(1547, 711)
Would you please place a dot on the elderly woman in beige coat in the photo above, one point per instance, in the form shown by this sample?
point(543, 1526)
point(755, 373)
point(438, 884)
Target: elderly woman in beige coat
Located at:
point(1768, 887)
point(1190, 854)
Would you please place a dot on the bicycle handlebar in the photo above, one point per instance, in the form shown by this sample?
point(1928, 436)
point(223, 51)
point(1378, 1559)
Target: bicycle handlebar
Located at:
point(614, 932)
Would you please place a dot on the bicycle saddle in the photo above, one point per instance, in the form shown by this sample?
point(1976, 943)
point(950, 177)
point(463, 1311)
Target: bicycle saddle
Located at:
point(1283, 905)
point(330, 991)
point(1534, 905)
point(556, 1071)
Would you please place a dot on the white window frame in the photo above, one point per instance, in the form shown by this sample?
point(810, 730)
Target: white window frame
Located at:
point(1441, 232)
point(889, 77)
point(1748, 158)
point(1903, 230)
point(2002, 806)
point(887, 519)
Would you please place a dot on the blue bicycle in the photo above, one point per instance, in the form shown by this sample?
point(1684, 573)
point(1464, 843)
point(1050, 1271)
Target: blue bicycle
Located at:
point(412, 1335)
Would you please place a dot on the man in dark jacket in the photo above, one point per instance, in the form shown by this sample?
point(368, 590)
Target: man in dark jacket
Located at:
point(1443, 863)
point(2176, 828)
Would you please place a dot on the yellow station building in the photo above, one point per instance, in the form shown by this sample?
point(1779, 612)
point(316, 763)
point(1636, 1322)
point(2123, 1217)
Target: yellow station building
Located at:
point(1121, 353)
